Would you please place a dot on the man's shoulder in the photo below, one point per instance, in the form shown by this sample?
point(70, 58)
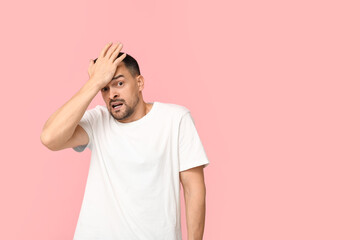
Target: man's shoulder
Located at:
point(98, 108)
point(99, 111)
point(174, 108)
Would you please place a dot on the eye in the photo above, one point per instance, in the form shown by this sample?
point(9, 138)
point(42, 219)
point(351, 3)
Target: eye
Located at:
point(104, 89)
point(121, 83)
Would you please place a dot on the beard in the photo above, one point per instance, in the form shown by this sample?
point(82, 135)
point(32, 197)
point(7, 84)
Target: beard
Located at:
point(125, 111)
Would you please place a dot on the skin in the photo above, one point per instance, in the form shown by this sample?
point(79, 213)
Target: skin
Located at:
point(126, 89)
point(193, 183)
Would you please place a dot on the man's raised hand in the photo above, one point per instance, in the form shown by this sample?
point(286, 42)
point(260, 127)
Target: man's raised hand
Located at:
point(106, 64)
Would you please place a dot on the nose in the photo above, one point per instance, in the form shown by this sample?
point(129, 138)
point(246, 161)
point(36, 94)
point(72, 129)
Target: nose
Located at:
point(113, 93)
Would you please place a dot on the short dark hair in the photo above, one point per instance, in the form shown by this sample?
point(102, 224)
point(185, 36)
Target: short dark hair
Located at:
point(130, 63)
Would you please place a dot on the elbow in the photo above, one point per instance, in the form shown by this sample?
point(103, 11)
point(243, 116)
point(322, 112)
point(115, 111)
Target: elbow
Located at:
point(46, 141)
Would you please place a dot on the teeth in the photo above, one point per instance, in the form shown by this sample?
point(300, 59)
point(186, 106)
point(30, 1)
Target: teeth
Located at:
point(116, 106)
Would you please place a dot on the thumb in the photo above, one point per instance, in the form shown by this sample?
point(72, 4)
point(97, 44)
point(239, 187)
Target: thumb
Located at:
point(91, 64)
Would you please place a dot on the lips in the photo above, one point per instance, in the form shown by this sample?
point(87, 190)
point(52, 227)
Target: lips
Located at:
point(116, 104)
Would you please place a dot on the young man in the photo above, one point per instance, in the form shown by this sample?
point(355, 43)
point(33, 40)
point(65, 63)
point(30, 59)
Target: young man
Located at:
point(140, 152)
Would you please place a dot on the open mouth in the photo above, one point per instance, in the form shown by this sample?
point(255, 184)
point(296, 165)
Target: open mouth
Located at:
point(116, 105)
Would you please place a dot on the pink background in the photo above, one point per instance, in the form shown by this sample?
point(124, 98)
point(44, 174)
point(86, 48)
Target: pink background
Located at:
point(273, 87)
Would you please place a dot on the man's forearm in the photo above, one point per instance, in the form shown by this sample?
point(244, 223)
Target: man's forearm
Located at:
point(195, 212)
point(61, 124)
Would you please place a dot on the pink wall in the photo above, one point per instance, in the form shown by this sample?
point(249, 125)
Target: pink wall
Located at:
point(273, 87)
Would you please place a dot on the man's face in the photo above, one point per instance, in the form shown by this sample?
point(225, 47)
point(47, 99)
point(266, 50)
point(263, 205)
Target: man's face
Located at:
point(123, 89)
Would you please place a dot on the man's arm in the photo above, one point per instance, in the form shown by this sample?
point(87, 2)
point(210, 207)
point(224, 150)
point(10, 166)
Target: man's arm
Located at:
point(61, 125)
point(194, 194)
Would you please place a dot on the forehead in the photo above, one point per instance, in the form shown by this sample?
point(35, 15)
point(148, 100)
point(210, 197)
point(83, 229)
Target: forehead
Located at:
point(121, 69)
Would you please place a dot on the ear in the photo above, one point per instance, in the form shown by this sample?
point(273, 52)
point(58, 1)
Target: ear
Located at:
point(140, 82)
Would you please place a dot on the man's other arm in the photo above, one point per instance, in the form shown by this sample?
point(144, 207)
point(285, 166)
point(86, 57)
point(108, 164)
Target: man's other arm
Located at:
point(194, 188)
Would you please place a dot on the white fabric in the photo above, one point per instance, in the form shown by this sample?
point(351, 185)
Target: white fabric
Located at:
point(133, 186)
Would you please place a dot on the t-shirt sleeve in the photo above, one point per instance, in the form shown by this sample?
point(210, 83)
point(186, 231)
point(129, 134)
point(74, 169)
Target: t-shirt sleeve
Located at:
point(191, 151)
point(86, 123)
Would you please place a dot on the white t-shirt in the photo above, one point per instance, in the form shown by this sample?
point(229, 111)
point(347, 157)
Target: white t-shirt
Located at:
point(133, 186)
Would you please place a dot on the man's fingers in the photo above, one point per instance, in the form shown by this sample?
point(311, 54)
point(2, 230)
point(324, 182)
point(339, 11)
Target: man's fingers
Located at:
point(103, 52)
point(119, 59)
point(111, 50)
point(116, 52)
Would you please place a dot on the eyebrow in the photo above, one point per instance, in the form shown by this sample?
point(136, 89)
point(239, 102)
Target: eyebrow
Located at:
point(118, 76)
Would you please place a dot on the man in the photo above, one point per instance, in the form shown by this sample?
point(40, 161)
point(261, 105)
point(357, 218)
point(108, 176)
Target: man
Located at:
point(140, 154)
